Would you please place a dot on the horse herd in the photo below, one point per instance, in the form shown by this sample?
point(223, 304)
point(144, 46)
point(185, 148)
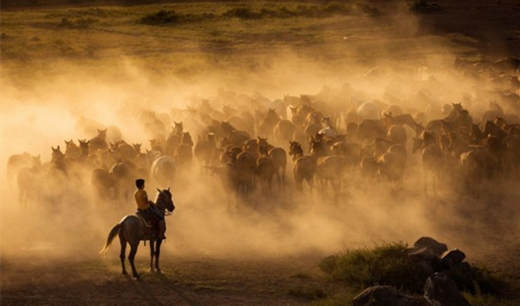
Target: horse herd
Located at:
point(333, 141)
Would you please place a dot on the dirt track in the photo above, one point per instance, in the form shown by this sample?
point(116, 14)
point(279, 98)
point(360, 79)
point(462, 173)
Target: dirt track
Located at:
point(201, 281)
point(188, 281)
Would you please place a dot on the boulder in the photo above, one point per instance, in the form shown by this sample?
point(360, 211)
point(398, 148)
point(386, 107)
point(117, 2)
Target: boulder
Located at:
point(437, 248)
point(452, 258)
point(385, 296)
point(441, 290)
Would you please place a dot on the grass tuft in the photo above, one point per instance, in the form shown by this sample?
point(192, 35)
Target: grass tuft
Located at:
point(384, 265)
point(160, 18)
point(389, 264)
point(246, 12)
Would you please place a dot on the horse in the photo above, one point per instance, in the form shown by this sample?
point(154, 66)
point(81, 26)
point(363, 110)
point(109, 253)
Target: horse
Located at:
point(304, 166)
point(132, 229)
point(163, 170)
point(433, 160)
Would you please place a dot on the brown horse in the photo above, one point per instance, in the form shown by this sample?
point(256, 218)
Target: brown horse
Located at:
point(132, 229)
point(304, 166)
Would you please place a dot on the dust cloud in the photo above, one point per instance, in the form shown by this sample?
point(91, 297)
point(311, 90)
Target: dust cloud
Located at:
point(68, 220)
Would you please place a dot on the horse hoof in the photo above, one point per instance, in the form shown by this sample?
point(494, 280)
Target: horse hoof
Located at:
point(159, 271)
point(137, 277)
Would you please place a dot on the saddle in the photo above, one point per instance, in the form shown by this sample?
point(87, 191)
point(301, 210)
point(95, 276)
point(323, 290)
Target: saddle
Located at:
point(150, 224)
point(147, 223)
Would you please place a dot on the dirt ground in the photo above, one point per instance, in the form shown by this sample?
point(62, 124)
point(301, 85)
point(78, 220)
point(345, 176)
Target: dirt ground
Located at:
point(38, 277)
point(184, 281)
point(57, 269)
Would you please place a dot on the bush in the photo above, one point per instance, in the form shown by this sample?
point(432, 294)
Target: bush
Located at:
point(242, 13)
point(336, 8)
point(366, 9)
point(422, 6)
point(390, 264)
point(384, 265)
point(476, 280)
point(161, 17)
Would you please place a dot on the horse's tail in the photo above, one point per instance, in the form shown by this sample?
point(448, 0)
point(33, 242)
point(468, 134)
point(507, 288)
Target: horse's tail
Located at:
point(111, 236)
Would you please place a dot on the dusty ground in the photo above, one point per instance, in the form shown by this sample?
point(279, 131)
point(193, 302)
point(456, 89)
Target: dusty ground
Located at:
point(184, 281)
point(65, 269)
point(40, 277)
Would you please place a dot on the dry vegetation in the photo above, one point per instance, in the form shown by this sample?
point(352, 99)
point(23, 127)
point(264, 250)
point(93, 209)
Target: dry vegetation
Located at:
point(66, 71)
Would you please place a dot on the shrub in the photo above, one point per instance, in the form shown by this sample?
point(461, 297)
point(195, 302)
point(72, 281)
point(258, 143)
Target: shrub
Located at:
point(476, 280)
point(161, 17)
point(366, 9)
point(422, 6)
point(384, 265)
point(336, 8)
point(242, 13)
point(390, 264)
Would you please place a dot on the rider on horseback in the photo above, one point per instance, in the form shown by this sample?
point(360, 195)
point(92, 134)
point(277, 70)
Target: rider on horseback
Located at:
point(145, 206)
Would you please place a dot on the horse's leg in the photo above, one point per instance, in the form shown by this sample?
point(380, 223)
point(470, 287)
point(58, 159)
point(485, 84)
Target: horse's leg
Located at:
point(131, 257)
point(152, 254)
point(425, 180)
point(283, 176)
point(336, 186)
point(123, 253)
point(299, 184)
point(435, 179)
point(322, 185)
point(310, 182)
point(269, 187)
point(157, 254)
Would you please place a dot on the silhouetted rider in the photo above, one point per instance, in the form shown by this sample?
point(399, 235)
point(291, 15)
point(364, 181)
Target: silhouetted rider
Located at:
point(146, 206)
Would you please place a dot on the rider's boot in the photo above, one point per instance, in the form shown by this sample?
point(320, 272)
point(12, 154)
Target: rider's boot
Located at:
point(162, 229)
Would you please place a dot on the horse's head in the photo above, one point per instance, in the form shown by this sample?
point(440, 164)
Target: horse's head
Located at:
point(457, 106)
point(295, 149)
point(317, 147)
point(179, 129)
point(186, 138)
point(69, 144)
point(262, 142)
point(271, 114)
point(326, 121)
point(36, 162)
point(226, 127)
point(102, 134)
point(137, 147)
point(164, 200)
point(57, 154)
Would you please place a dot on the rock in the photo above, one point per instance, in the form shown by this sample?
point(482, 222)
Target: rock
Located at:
point(423, 253)
point(431, 244)
point(441, 290)
point(452, 258)
point(377, 294)
point(385, 296)
point(412, 301)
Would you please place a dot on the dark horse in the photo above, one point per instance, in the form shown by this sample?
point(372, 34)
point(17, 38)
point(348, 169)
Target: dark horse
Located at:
point(132, 229)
